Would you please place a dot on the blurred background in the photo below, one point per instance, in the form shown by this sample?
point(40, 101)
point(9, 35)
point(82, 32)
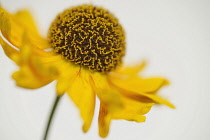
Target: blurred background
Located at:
point(173, 36)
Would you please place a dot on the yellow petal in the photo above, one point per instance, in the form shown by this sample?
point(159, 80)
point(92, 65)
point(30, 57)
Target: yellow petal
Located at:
point(67, 75)
point(33, 73)
point(25, 17)
point(151, 85)
point(145, 97)
point(133, 88)
point(14, 28)
point(29, 78)
point(129, 116)
point(148, 85)
point(12, 53)
point(110, 97)
point(47, 69)
point(36, 69)
point(104, 120)
point(130, 70)
point(99, 80)
point(133, 110)
point(83, 96)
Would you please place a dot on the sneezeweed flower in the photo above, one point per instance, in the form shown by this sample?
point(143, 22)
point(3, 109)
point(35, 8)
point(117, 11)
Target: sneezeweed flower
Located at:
point(83, 53)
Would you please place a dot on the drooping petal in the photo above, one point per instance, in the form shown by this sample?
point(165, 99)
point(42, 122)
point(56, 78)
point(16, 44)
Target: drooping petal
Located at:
point(25, 17)
point(31, 72)
point(145, 97)
point(35, 67)
point(148, 85)
point(110, 97)
point(35, 64)
point(12, 53)
point(83, 96)
point(141, 89)
point(14, 27)
point(133, 110)
point(25, 77)
point(67, 74)
point(104, 120)
point(29, 75)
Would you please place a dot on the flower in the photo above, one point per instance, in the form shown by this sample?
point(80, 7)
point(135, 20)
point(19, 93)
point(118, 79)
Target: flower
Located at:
point(83, 53)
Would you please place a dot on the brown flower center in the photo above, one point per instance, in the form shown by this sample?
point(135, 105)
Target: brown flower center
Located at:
point(89, 36)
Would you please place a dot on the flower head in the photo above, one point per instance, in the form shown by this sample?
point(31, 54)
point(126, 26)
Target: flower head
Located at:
point(88, 45)
point(88, 36)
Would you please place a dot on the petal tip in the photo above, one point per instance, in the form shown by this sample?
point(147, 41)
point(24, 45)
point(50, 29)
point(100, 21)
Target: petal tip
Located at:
point(85, 128)
point(103, 134)
point(172, 106)
point(166, 82)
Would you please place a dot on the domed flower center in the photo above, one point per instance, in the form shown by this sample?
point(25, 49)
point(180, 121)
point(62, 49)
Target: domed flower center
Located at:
point(89, 36)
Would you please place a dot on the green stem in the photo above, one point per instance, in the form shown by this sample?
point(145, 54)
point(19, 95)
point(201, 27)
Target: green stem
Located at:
point(51, 116)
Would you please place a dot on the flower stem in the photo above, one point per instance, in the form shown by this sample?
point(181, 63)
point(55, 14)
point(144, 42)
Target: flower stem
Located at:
point(57, 99)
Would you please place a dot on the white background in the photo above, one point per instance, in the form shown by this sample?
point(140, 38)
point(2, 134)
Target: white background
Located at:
point(172, 35)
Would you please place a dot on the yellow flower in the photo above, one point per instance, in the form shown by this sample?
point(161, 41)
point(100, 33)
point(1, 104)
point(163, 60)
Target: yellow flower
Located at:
point(83, 53)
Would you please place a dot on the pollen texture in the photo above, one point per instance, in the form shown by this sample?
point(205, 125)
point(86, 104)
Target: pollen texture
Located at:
point(88, 36)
